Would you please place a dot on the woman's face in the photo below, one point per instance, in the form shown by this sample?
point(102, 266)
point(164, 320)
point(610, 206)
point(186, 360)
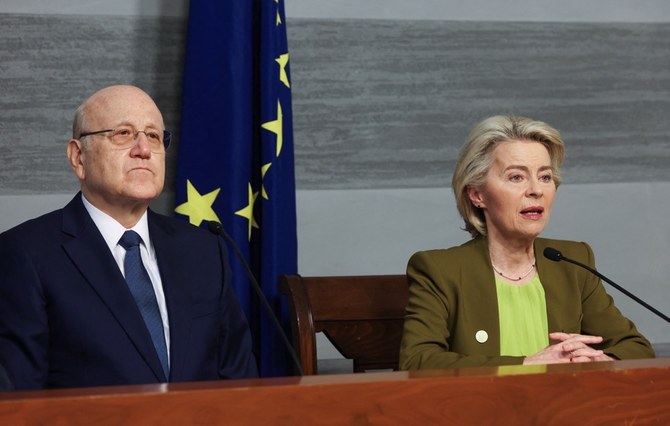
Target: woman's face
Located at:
point(518, 192)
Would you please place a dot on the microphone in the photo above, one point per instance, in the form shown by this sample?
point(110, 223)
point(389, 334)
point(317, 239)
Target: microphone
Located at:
point(217, 229)
point(555, 255)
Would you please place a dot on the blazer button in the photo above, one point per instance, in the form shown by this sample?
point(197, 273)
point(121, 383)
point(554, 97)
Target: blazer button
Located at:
point(481, 336)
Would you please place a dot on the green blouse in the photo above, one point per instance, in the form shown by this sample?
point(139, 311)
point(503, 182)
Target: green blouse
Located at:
point(523, 318)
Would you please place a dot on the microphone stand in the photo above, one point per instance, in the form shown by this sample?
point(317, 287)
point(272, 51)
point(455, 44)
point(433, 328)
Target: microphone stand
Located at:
point(217, 228)
point(557, 256)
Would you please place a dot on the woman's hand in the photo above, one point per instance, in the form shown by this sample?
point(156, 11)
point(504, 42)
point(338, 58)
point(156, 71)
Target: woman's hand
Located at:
point(569, 347)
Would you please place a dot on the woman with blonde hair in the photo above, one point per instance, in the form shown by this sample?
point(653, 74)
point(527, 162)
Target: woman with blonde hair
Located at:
point(495, 300)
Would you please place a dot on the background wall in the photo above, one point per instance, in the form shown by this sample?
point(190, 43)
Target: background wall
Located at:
point(384, 95)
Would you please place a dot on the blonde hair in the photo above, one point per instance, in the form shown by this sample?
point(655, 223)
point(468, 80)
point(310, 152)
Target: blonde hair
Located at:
point(476, 158)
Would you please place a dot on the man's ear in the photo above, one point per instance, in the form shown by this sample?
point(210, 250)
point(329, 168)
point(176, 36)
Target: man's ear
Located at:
point(75, 154)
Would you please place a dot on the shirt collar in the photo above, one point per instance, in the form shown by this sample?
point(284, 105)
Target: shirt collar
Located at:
point(112, 230)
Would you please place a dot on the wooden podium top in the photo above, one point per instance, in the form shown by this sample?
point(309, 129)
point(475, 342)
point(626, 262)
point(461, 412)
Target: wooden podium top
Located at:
point(620, 392)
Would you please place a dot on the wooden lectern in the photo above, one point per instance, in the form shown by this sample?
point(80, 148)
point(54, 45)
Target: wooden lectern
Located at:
point(617, 393)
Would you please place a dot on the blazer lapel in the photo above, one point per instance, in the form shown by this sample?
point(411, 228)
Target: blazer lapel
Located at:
point(480, 287)
point(89, 252)
point(554, 278)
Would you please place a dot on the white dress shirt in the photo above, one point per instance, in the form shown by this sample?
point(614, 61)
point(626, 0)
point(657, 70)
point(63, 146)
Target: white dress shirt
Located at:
point(112, 231)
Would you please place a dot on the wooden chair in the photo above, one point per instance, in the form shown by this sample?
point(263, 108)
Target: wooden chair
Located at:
point(362, 316)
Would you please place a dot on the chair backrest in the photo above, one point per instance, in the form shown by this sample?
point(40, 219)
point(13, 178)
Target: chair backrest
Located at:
point(362, 316)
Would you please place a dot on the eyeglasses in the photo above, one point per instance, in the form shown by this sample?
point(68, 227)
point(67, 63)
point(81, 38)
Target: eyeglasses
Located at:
point(125, 136)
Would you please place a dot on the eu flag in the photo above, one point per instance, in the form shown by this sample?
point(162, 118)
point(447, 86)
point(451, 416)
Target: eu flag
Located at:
point(235, 160)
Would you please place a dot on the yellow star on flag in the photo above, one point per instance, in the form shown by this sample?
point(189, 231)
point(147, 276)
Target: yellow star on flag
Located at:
point(282, 60)
point(276, 127)
point(248, 211)
point(264, 170)
point(198, 207)
point(278, 16)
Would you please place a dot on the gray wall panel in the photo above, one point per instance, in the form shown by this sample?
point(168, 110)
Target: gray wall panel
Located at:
point(51, 63)
point(376, 103)
point(388, 103)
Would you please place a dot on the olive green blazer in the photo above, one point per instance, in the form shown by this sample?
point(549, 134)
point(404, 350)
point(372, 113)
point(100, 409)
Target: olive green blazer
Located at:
point(452, 314)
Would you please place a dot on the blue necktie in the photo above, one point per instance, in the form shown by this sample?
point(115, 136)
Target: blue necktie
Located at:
point(143, 291)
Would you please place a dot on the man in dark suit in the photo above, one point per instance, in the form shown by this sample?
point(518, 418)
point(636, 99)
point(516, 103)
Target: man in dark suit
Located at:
point(71, 313)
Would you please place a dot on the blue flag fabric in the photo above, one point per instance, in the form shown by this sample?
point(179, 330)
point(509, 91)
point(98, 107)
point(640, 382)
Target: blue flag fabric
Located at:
point(235, 161)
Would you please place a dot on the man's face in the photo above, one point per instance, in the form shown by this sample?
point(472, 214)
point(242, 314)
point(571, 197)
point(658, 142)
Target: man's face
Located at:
point(112, 177)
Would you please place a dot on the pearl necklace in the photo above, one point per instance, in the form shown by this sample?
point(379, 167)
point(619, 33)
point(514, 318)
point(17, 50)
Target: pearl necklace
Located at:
point(510, 278)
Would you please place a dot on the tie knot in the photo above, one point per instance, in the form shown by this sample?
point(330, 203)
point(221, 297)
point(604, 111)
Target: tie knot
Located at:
point(130, 239)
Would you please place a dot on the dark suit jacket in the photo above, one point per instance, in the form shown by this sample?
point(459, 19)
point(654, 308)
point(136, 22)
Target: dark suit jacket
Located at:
point(68, 319)
point(5, 383)
point(453, 297)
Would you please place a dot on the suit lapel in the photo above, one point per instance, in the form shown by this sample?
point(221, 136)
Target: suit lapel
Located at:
point(90, 254)
point(175, 280)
